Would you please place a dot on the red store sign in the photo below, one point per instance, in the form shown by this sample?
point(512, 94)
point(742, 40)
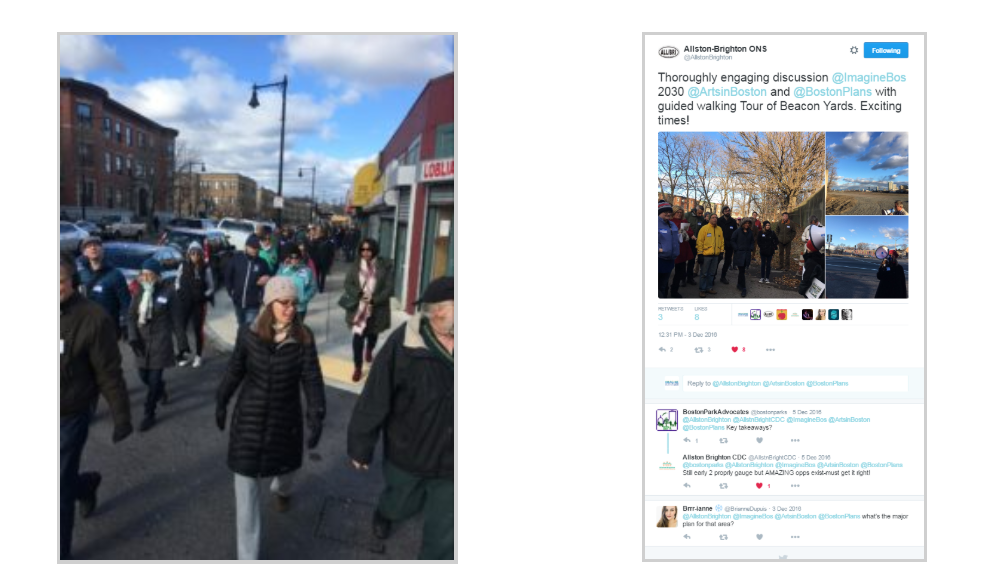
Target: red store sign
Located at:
point(435, 170)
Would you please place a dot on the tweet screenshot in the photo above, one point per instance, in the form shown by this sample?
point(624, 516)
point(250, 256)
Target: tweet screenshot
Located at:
point(784, 343)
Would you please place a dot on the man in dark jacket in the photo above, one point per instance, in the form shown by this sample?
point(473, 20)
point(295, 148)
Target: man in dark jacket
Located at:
point(729, 226)
point(891, 276)
point(320, 248)
point(102, 283)
point(89, 366)
point(785, 234)
point(245, 280)
point(409, 398)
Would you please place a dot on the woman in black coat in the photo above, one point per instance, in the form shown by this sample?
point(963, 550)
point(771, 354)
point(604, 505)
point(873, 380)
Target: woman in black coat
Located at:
point(743, 240)
point(767, 240)
point(150, 330)
point(273, 359)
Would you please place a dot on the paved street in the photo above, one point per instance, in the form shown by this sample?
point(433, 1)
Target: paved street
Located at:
point(167, 493)
point(852, 277)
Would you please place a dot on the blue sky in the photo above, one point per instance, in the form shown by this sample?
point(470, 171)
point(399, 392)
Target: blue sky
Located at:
point(876, 231)
point(868, 159)
point(346, 97)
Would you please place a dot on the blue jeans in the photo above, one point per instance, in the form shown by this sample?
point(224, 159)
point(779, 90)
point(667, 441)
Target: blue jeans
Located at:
point(245, 316)
point(73, 431)
point(708, 270)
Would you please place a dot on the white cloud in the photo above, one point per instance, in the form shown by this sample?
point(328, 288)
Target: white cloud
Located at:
point(842, 238)
point(887, 143)
point(209, 109)
point(852, 230)
point(363, 63)
point(895, 233)
point(895, 161)
point(853, 143)
point(80, 54)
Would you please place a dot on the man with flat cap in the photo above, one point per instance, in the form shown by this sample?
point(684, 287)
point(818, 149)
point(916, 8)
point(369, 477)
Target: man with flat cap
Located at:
point(409, 399)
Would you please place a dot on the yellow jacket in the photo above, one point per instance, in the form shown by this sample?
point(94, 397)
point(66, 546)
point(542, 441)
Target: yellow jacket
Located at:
point(710, 241)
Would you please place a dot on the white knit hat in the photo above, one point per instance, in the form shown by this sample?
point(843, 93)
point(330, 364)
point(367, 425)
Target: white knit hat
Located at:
point(280, 288)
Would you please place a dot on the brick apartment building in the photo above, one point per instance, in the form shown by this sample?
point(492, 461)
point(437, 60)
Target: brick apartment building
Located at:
point(220, 195)
point(112, 160)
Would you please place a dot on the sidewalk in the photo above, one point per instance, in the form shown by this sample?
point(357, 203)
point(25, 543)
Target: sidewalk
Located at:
point(324, 318)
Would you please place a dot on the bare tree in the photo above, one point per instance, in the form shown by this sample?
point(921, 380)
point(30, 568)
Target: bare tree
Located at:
point(832, 166)
point(703, 160)
point(670, 162)
point(186, 157)
point(790, 162)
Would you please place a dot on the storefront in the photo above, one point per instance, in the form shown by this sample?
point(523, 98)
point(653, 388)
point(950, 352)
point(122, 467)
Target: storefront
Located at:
point(438, 234)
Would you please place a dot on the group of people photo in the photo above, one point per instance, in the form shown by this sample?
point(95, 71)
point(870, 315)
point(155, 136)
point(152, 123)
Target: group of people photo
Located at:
point(705, 245)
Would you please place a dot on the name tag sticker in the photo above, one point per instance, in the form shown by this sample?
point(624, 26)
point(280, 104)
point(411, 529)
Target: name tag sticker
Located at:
point(709, 234)
point(788, 226)
point(98, 288)
point(663, 231)
point(764, 235)
point(162, 300)
point(61, 346)
point(888, 268)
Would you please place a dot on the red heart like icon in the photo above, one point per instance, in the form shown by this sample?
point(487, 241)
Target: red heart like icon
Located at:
point(735, 348)
point(759, 484)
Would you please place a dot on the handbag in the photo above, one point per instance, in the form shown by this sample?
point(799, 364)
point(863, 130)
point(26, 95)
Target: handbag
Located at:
point(348, 301)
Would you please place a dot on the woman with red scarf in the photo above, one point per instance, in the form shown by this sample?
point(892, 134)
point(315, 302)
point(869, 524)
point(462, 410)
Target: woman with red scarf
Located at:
point(368, 289)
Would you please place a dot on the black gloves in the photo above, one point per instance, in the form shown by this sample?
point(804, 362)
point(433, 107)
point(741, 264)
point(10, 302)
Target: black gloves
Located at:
point(701, 259)
point(121, 432)
point(138, 347)
point(315, 430)
point(221, 418)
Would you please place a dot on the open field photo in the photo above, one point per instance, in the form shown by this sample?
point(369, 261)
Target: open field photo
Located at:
point(868, 173)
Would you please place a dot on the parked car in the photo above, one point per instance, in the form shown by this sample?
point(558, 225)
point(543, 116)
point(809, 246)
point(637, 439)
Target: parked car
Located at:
point(214, 242)
point(129, 256)
point(125, 226)
point(91, 228)
point(197, 223)
point(238, 230)
point(70, 237)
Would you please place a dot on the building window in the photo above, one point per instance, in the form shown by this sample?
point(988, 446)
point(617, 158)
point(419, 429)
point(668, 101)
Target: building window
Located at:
point(127, 132)
point(129, 173)
point(117, 129)
point(106, 127)
point(444, 147)
point(109, 195)
point(84, 114)
point(120, 164)
point(151, 170)
point(139, 169)
point(412, 155)
point(140, 139)
point(85, 155)
point(107, 163)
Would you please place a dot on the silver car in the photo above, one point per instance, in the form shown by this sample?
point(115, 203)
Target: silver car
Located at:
point(70, 237)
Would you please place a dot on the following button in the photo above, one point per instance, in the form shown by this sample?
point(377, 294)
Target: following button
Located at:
point(885, 50)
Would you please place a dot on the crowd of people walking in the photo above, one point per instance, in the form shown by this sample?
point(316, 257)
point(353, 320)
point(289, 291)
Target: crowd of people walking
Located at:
point(273, 379)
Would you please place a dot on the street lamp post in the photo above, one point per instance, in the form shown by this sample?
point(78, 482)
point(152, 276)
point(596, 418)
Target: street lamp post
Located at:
point(284, 85)
point(312, 213)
